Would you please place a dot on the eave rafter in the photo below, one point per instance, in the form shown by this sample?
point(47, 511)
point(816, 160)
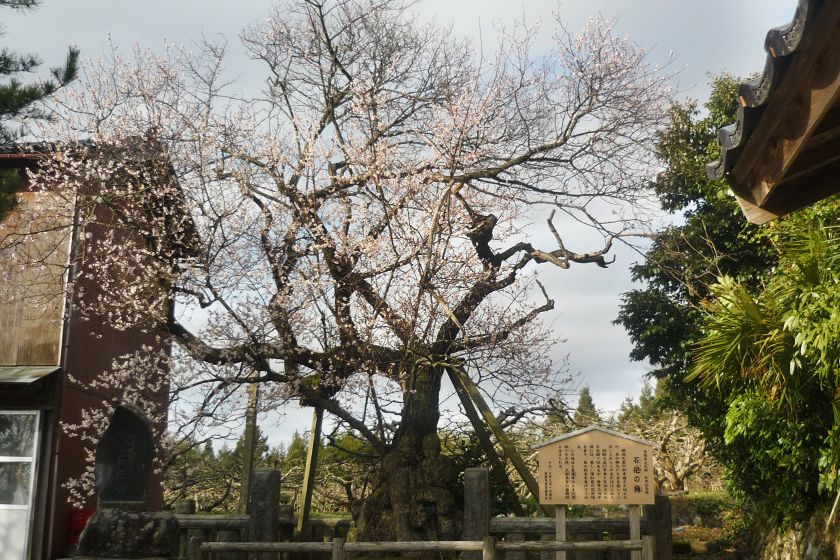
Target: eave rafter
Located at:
point(777, 156)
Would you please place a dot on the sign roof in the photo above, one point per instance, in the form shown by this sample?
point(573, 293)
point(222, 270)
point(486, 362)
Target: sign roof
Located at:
point(598, 429)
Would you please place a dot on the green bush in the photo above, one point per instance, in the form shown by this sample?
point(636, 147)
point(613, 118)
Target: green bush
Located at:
point(712, 508)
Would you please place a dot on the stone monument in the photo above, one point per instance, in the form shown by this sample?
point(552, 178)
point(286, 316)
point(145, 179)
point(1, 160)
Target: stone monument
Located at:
point(123, 527)
point(124, 461)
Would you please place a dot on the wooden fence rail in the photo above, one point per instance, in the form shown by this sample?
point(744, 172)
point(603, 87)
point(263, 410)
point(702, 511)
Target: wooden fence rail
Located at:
point(276, 523)
point(488, 547)
point(566, 546)
point(498, 525)
point(501, 526)
point(200, 522)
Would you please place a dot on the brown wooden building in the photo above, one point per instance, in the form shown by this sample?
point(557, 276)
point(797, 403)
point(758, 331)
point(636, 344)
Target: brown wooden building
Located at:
point(783, 152)
point(48, 355)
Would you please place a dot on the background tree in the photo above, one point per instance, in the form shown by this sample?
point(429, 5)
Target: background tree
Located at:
point(585, 413)
point(772, 354)
point(681, 448)
point(211, 477)
point(20, 102)
point(358, 226)
point(747, 298)
point(711, 238)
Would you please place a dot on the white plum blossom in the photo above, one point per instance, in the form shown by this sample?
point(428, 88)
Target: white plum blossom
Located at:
point(357, 230)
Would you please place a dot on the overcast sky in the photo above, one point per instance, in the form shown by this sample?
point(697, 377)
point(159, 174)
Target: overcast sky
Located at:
point(705, 38)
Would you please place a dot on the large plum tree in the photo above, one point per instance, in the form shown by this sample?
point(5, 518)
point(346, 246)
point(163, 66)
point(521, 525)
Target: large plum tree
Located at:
point(358, 226)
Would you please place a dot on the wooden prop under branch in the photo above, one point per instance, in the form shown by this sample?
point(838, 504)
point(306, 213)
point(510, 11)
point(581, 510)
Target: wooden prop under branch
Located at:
point(460, 378)
point(311, 468)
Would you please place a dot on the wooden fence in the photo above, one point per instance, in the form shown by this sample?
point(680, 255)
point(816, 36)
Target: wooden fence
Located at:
point(655, 525)
point(488, 548)
point(520, 538)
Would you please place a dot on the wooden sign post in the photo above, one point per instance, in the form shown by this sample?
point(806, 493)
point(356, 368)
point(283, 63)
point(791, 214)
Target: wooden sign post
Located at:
point(596, 466)
point(560, 529)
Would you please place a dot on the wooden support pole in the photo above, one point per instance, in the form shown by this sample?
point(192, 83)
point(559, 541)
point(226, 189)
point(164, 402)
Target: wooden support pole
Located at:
point(560, 529)
point(459, 376)
point(480, 429)
point(249, 447)
point(311, 468)
point(635, 529)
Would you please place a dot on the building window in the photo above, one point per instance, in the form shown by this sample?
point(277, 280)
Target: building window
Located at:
point(18, 451)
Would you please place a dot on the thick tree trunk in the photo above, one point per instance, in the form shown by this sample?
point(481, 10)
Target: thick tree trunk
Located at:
point(411, 497)
point(673, 482)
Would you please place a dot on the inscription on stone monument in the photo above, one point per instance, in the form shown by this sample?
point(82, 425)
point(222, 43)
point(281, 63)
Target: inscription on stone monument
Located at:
point(124, 459)
point(596, 466)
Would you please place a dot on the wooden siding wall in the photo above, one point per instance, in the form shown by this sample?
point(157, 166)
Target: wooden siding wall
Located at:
point(32, 288)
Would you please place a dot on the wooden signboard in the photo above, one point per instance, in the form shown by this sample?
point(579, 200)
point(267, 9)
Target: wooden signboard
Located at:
point(596, 466)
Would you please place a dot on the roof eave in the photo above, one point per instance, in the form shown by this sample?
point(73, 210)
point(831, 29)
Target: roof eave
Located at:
point(778, 114)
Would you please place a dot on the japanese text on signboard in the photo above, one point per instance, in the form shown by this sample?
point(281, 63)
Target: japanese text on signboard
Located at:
point(596, 468)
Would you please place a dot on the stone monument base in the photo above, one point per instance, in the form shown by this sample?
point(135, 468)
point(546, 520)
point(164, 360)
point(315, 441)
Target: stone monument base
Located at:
point(117, 533)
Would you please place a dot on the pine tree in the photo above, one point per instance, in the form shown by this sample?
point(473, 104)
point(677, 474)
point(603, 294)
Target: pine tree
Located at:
point(20, 101)
point(586, 413)
point(649, 405)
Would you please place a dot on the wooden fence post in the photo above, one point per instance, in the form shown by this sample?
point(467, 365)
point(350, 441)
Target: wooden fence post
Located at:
point(515, 538)
point(195, 549)
point(560, 529)
point(649, 550)
point(225, 535)
point(476, 507)
point(264, 506)
point(338, 552)
point(186, 507)
point(659, 525)
point(547, 555)
point(488, 550)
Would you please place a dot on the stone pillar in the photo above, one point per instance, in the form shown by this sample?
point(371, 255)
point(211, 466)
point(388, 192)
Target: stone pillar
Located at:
point(264, 508)
point(659, 525)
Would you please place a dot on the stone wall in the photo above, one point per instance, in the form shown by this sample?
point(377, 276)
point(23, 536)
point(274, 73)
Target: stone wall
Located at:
point(807, 540)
